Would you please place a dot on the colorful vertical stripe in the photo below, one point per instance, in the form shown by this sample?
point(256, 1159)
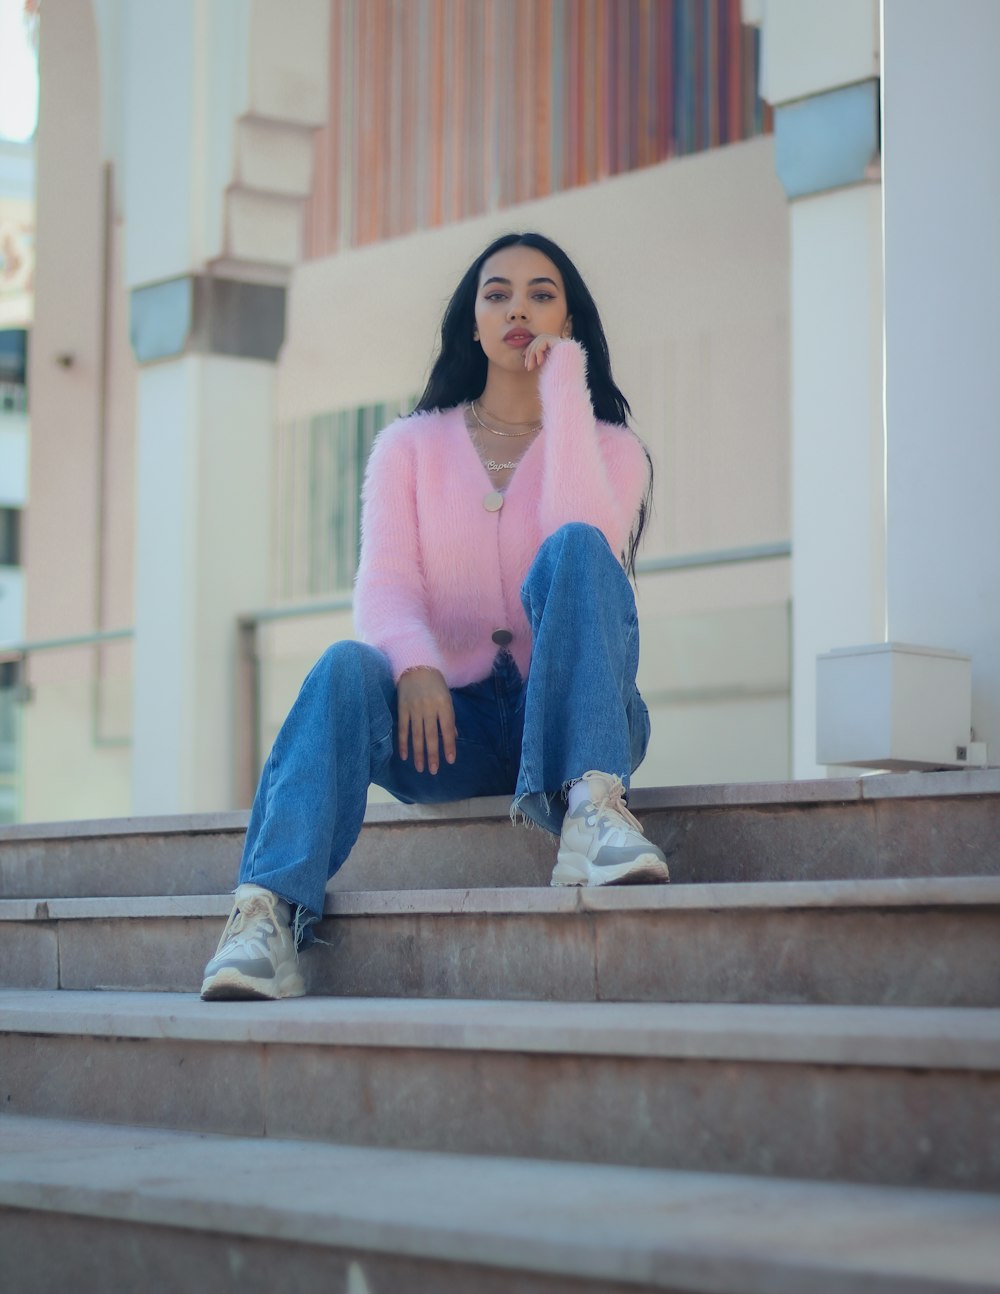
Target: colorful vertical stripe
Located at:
point(445, 109)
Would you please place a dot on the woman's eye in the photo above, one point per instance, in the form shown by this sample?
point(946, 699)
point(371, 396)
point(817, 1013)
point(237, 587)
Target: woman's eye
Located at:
point(495, 296)
point(544, 296)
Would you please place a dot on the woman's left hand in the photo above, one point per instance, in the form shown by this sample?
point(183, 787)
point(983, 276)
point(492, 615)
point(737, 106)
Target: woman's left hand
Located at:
point(537, 350)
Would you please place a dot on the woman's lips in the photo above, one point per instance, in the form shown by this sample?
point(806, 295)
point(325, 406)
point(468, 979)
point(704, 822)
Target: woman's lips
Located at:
point(518, 338)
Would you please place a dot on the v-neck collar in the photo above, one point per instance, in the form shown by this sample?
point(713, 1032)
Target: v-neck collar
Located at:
point(463, 429)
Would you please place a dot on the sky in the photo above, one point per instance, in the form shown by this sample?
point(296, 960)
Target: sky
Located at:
point(18, 74)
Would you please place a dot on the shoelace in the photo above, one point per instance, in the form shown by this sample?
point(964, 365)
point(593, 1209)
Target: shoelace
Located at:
point(613, 801)
point(256, 906)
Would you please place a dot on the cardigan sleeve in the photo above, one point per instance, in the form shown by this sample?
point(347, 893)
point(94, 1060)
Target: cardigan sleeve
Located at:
point(594, 472)
point(390, 603)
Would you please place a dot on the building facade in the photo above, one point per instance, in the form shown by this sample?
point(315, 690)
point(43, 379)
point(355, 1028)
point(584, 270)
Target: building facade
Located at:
point(250, 216)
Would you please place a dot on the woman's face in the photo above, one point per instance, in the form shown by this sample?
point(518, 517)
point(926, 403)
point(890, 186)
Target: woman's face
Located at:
point(521, 295)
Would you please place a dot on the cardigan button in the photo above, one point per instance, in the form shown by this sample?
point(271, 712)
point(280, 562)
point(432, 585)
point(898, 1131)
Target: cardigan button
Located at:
point(502, 637)
point(493, 501)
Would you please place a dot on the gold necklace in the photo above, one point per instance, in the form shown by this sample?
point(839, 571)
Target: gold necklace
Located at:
point(496, 430)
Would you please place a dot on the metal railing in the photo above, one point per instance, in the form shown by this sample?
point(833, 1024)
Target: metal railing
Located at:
point(714, 557)
point(248, 682)
point(19, 653)
point(89, 696)
point(22, 650)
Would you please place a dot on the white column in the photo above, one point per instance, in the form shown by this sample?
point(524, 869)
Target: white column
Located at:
point(941, 144)
point(838, 550)
point(203, 457)
point(204, 418)
point(819, 64)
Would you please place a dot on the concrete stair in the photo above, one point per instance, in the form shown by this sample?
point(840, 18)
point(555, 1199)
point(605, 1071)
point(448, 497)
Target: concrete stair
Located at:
point(902, 942)
point(780, 1073)
point(293, 1214)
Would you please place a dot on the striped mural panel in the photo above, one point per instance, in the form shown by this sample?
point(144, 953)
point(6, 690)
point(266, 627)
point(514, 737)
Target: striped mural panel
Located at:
point(445, 109)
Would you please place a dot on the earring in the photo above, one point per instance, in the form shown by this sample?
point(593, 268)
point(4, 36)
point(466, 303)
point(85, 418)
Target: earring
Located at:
point(475, 334)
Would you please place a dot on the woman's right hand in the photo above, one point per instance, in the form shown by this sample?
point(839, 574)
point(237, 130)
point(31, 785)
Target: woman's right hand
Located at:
point(425, 708)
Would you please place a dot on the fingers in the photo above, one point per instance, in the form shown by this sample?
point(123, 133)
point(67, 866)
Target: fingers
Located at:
point(437, 732)
point(537, 351)
point(426, 721)
point(446, 722)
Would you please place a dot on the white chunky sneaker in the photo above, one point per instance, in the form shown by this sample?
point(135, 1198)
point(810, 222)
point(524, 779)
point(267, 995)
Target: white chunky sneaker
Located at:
point(603, 844)
point(256, 955)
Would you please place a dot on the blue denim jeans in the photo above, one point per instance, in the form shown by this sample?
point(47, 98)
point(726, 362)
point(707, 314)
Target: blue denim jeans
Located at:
point(578, 709)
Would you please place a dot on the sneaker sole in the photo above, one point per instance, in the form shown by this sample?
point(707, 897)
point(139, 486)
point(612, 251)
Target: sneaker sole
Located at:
point(232, 985)
point(575, 869)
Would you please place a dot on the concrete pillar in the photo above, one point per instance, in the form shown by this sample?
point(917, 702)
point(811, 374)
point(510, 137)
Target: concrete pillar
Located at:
point(941, 141)
point(203, 419)
point(819, 68)
point(206, 327)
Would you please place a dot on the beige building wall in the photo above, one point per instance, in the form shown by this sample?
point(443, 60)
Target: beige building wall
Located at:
point(688, 262)
point(79, 525)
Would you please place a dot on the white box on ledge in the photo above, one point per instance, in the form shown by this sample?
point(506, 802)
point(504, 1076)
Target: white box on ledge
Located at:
point(894, 706)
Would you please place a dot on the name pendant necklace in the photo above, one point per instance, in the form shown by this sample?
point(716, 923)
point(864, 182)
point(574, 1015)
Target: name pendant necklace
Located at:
point(493, 501)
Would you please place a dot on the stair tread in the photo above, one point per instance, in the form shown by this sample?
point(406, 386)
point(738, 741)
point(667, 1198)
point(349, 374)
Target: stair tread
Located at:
point(903, 892)
point(695, 1231)
point(950, 1038)
point(916, 786)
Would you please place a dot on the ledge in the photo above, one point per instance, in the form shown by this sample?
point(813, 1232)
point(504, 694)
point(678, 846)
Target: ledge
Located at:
point(949, 1038)
point(945, 785)
point(906, 893)
point(666, 1229)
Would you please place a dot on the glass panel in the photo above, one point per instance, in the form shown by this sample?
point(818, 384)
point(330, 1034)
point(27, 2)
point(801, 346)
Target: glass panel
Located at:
point(10, 536)
point(319, 469)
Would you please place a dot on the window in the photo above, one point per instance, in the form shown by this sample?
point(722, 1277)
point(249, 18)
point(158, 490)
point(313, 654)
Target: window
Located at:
point(319, 472)
point(10, 536)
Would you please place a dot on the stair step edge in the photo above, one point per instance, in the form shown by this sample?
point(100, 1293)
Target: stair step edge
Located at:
point(904, 892)
point(956, 784)
point(696, 1231)
point(945, 1038)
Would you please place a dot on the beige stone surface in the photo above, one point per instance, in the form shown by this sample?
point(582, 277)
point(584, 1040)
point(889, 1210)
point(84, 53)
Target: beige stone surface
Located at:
point(891, 892)
point(946, 825)
point(966, 1039)
point(88, 1255)
point(939, 837)
point(904, 957)
point(666, 1229)
point(29, 956)
point(946, 783)
point(121, 863)
point(902, 942)
point(891, 1095)
point(495, 955)
point(952, 784)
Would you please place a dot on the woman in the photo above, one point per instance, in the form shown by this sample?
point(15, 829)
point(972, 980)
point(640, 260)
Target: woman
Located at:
point(499, 631)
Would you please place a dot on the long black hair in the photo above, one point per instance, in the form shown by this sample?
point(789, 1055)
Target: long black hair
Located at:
point(459, 371)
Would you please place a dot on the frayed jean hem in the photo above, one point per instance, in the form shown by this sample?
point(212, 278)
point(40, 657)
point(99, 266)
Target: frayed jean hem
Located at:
point(539, 809)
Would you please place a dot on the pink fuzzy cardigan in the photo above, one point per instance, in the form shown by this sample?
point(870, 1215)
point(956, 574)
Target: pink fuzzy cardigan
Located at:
point(438, 573)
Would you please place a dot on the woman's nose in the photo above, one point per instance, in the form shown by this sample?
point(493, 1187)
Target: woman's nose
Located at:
point(515, 310)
